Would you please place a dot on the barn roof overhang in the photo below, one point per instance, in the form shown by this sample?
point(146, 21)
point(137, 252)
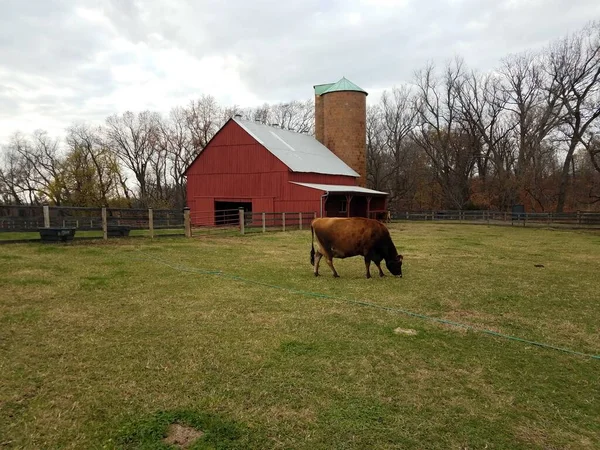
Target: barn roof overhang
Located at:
point(341, 189)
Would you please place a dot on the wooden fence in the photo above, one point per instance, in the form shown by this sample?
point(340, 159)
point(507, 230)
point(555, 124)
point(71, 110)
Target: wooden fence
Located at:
point(239, 220)
point(579, 219)
point(28, 221)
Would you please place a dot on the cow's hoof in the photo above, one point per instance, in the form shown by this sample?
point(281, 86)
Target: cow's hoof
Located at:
point(335, 275)
point(316, 274)
point(368, 276)
point(382, 275)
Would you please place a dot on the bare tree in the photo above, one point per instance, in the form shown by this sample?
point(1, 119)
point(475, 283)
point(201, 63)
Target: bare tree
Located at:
point(108, 177)
point(574, 64)
point(14, 176)
point(203, 119)
point(451, 149)
point(132, 137)
point(378, 163)
point(482, 113)
point(294, 116)
point(399, 116)
point(535, 109)
point(178, 141)
point(42, 162)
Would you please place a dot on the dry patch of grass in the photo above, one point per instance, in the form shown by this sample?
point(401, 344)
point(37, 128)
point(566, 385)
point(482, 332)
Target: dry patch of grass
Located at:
point(182, 436)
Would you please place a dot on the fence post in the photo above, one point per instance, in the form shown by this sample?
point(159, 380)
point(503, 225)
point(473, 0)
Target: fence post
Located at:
point(151, 222)
point(283, 220)
point(300, 219)
point(264, 222)
point(186, 222)
point(578, 217)
point(242, 221)
point(46, 216)
point(104, 225)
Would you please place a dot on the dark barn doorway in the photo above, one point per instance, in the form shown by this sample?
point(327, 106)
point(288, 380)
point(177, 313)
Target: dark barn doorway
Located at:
point(227, 213)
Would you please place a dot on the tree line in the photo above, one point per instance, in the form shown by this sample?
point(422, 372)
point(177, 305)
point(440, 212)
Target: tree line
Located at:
point(527, 132)
point(132, 160)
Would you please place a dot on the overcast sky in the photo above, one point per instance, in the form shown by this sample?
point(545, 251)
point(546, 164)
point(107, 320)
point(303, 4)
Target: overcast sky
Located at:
point(68, 60)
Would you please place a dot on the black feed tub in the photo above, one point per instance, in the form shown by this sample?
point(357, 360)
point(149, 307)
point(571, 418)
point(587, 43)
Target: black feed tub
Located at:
point(118, 230)
point(57, 234)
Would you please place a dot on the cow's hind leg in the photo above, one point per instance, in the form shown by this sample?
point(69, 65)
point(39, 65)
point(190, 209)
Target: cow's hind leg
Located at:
point(368, 266)
point(318, 257)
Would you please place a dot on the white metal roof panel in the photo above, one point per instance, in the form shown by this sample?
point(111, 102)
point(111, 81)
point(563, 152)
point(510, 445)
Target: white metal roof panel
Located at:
point(339, 188)
point(300, 152)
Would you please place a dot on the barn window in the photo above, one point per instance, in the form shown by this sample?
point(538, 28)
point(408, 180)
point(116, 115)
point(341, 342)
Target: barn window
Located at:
point(343, 205)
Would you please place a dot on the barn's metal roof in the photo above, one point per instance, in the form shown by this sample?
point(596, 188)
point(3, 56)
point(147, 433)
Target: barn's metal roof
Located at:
point(339, 188)
point(342, 85)
point(300, 152)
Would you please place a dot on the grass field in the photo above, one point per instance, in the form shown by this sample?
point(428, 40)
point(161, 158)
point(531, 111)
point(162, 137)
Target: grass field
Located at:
point(102, 345)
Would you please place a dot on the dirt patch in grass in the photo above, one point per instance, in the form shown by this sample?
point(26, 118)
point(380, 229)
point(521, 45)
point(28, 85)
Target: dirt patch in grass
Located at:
point(182, 436)
point(406, 331)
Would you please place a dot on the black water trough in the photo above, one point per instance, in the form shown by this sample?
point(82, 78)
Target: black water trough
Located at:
point(118, 231)
point(57, 234)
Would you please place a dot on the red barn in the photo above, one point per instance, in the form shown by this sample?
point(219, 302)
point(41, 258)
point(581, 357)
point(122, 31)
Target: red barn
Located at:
point(267, 169)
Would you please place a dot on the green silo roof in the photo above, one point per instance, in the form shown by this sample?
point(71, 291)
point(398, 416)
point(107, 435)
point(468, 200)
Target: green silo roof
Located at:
point(320, 88)
point(343, 85)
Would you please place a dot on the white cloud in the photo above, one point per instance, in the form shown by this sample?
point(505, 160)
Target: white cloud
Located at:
point(69, 60)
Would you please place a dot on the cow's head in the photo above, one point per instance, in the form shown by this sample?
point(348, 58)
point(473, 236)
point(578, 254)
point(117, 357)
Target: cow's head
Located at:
point(395, 265)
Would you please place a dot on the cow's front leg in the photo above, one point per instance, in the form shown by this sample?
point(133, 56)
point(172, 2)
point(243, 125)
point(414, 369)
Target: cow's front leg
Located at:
point(377, 263)
point(330, 262)
point(318, 257)
point(368, 266)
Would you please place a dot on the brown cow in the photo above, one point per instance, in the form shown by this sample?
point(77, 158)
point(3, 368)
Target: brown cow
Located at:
point(354, 236)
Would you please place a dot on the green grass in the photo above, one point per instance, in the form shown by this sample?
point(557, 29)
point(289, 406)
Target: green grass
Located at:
point(103, 346)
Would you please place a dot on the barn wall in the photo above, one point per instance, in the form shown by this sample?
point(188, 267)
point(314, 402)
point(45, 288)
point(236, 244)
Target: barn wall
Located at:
point(322, 178)
point(202, 211)
point(236, 167)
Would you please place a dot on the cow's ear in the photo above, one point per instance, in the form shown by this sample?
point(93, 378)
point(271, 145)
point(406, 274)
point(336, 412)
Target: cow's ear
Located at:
point(399, 257)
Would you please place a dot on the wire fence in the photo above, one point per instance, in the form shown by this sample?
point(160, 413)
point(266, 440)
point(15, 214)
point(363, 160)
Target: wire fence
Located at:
point(50, 223)
point(578, 219)
point(241, 221)
point(65, 223)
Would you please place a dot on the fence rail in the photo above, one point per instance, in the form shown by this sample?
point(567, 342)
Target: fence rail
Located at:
point(113, 222)
point(239, 220)
point(575, 219)
point(25, 222)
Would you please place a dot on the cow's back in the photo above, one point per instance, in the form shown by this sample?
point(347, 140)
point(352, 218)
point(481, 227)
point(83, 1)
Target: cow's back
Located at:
point(345, 237)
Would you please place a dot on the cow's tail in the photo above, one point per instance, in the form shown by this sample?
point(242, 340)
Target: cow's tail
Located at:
point(312, 246)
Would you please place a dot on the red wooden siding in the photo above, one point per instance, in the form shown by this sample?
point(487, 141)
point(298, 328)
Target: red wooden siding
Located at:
point(235, 167)
point(322, 179)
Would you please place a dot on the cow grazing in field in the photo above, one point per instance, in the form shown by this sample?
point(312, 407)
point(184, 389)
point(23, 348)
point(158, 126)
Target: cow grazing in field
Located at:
point(354, 236)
